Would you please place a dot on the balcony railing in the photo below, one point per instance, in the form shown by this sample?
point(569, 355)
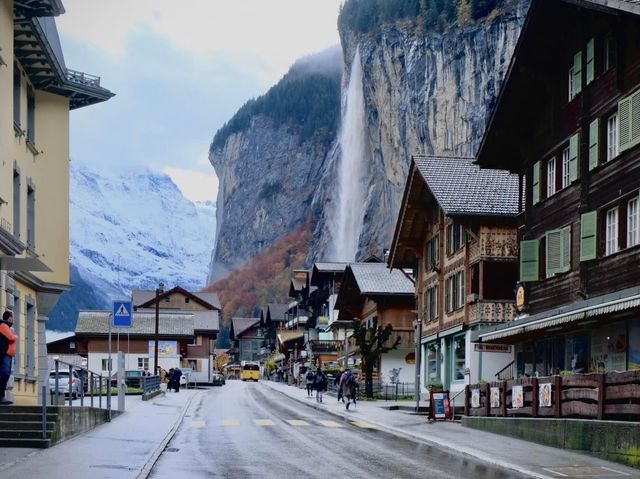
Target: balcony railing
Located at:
point(324, 345)
point(83, 78)
point(491, 311)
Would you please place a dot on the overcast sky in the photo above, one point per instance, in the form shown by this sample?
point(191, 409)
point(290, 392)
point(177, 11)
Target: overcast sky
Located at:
point(180, 69)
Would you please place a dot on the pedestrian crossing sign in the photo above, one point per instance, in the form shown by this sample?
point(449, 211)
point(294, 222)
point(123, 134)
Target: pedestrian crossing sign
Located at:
point(122, 314)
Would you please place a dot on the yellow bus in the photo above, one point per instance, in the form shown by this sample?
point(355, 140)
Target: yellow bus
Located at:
point(250, 371)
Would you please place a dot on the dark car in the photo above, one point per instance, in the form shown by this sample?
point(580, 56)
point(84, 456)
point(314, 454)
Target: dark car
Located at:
point(132, 378)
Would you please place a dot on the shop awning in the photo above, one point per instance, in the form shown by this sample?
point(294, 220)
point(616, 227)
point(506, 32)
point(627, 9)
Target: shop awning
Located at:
point(606, 304)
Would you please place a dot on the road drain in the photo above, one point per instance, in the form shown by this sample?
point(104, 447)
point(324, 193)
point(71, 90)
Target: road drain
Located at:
point(172, 449)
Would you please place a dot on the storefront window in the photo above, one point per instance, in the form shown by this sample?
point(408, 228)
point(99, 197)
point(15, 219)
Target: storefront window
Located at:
point(458, 358)
point(609, 349)
point(634, 345)
point(432, 363)
point(577, 353)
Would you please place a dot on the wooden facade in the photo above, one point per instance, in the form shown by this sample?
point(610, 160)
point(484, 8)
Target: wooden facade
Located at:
point(568, 122)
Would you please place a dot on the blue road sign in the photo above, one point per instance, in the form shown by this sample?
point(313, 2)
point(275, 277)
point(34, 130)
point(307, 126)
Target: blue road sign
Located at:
point(122, 314)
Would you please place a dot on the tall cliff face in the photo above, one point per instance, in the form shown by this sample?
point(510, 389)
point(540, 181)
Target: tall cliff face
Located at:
point(269, 158)
point(425, 94)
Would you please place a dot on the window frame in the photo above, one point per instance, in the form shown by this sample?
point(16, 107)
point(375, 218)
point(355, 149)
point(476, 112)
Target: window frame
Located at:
point(551, 176)
point(613, 136)
point(611, 244)
point(633, 217)
point(566, 175)
point(456, 360)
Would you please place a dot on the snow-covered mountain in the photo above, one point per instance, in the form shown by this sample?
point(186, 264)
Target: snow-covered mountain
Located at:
point(131, 228)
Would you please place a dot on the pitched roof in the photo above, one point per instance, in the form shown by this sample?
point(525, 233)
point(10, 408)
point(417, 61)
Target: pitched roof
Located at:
point(147, 299)
point(276, 311)
point(376, 278)
point(240, 325)
point(461, 188)
point(330, 267)
point(170, 324)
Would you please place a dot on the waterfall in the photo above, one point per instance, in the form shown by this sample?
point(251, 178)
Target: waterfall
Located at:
point(347, 221)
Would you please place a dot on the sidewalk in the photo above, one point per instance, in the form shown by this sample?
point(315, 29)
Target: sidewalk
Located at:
point(127, 447)
point(525, 457)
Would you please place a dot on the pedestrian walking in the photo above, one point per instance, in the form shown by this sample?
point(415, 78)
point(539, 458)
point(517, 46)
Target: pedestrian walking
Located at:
point(349, 387)
point(177, 374)
point(336, 383)
point(163, 379)
point(8, 341)
point(170, 379)
point(319, 384)
point(310, 380)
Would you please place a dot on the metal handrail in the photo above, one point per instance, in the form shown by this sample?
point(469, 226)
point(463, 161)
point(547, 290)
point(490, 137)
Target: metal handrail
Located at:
point(85, 373)
point(508, 367)
point(83, 78)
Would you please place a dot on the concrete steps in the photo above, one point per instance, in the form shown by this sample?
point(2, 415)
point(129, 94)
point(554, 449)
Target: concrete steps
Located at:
point(21, 426)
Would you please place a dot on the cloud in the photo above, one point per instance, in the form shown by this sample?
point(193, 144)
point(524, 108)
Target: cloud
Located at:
point(195, 185)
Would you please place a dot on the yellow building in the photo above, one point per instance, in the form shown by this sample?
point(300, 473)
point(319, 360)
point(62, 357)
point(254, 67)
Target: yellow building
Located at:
point(34, 177)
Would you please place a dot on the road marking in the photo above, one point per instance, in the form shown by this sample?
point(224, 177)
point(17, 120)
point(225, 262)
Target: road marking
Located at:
point(230, 422)
point(330, 424)
point(584, 471)
point(263, 422)
point(197, 424)
point(297, 422)
point(363, 425)
point(554, 472)
point(613, 470)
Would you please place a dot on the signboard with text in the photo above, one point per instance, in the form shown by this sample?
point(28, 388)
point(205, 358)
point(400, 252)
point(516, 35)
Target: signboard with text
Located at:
point(439, 405)
point(492, 348)
point(166, 349)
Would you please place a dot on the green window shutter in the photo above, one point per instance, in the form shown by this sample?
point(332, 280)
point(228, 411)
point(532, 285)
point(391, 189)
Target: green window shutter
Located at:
point(624, 124)
point(594, 150)
point(634, 129)
point(590, 61)
point(536, 183)
point(553, 252)
point(588, 229)
point(577, 73)
point(574, 156)
point(529, 260)
point(565, 249)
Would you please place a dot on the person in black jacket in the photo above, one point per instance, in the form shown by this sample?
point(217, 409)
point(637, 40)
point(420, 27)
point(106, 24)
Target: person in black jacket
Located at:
point(177, 374)
point(319, 384)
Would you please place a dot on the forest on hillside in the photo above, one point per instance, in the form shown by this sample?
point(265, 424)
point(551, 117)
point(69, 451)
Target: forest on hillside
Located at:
point(307, 103)
point(366, 16)
point(264, 279)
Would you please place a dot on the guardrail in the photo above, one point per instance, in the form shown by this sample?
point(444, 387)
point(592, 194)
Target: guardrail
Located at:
point(89, 380)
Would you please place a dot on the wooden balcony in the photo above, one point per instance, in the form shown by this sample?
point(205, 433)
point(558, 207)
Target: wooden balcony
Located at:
point(494, 243)
point(491, 312)
point(324, 345)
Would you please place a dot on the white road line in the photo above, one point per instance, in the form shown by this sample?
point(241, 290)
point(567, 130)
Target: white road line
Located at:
point(362, 424)
point(554, 472)
point(297, 422)
point(330, 424)
point(613, 470)
point(230, 422)
point(263, 422)
point(197, 424)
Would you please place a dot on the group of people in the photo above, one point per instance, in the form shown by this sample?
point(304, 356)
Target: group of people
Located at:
point(8, 340)
point(347, 387)
point(171, 378)
point(316, 382)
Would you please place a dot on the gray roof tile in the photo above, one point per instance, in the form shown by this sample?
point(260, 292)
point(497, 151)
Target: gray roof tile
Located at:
point(376, 278)
point(277, 311)
point(461, 188)
point(170, 324)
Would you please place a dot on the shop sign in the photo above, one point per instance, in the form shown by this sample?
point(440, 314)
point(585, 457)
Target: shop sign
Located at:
point(492, 348)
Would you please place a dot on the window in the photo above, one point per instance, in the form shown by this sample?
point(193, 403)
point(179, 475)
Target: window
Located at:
point(186, 299)
point(611, 232)
point(572, 94)
point(106, 365)
point(143, 363)
point(575, 76)
point(455, 291)
point(16, 203)
point(31, 115)
point(16, 94)
point(431, 303)
point(458, 358)
point(609, 53)
point(632, 223)
point(558, 251)
point(455, 237)
point(432, 255)
point(433, 363)
point(72, 345)
point(31, 215)
point(612, 137)
point(551, 177)
point(566, 177)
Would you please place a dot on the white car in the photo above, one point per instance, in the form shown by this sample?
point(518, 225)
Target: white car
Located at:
point(63, 383)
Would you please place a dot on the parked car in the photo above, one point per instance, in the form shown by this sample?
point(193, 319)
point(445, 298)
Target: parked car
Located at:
point(63, 383)
point(217, 379)
point(132, 378)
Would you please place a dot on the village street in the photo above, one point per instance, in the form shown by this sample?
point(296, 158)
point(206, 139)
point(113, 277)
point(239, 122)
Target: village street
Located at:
point(249, 430)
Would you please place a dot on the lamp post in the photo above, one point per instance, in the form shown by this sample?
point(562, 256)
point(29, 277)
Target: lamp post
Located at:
point(159, 291)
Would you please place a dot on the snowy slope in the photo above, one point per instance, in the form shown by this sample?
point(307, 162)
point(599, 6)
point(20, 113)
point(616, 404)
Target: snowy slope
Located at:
point(133, 228)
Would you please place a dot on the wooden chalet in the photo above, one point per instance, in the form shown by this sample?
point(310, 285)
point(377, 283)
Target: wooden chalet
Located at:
point(567, 121)
point(457, 229)
point(326, 278)
point(274, 318)
point(372, 291)
point(247, 335)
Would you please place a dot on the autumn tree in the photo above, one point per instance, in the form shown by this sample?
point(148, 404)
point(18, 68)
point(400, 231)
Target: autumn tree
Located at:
point(371, 342)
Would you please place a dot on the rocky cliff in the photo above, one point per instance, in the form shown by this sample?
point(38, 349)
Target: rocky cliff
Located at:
point(426, 93)
point(269, 157)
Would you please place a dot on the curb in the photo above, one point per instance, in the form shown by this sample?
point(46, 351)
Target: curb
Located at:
point(420, 439)
point(146, 470)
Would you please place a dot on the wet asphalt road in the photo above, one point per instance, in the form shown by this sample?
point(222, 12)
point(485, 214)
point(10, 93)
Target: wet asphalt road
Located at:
point(245, 430)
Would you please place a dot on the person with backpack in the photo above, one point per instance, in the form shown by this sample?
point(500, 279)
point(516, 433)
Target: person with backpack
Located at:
point(348, 386)
point(310, 380)
point(336, 382)
point(177, 374)
point(319, 384)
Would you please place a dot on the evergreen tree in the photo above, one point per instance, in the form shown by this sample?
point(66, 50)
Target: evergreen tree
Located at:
point(371, 344)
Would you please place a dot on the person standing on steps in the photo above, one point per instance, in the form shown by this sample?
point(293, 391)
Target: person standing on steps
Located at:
point(8, 341)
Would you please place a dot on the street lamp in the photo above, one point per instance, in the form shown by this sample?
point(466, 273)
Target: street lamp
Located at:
point(159, 291)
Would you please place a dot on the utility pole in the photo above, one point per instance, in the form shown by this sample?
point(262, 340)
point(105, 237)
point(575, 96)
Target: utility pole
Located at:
point(418, 355)
point(159, 291)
